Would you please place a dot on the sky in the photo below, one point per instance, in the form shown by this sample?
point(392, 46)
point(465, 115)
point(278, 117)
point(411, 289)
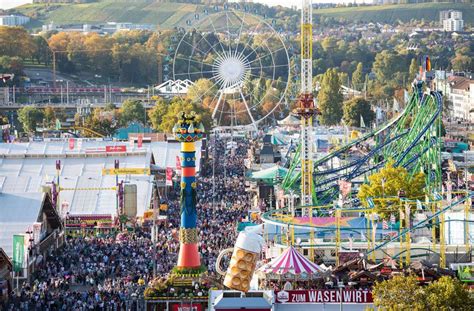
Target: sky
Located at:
point(7, 4)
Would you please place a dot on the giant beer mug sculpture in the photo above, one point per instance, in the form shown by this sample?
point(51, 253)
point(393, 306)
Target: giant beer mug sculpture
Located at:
point(244, 259)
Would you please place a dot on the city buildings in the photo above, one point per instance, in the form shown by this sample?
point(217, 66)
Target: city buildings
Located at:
point(451, 20)
point(13, 20)
point(107, 28)
point(459, 91)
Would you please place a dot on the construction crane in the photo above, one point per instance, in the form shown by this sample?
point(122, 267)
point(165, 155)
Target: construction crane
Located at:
point(306, 108)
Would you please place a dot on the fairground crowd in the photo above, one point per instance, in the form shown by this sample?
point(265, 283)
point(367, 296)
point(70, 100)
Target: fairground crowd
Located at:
point(110, 272)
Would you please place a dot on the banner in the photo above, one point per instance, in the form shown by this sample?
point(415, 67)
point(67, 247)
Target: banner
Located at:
point(125, 171)
point(178, 165)
point(169, 176)
point(324, 296)
point(186, 307)
point(71, 143)
point(116, 148)
point(140, 141)
point(18, 252)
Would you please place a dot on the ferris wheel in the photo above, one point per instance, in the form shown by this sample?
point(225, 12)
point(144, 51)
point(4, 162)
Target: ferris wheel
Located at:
point(244, 61)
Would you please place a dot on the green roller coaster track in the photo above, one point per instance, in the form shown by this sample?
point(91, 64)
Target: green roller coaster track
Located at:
point(412, 140)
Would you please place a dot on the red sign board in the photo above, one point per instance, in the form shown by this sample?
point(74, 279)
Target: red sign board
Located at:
point(122, 148)
point(186, 307)
point(324, 296)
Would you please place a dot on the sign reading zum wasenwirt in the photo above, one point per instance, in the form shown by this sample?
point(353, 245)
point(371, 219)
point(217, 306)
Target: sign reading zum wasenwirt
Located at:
point(18, 252)
point(323, 296)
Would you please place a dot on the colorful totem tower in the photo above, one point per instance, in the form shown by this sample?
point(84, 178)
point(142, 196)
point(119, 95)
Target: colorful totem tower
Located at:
point(188, 130)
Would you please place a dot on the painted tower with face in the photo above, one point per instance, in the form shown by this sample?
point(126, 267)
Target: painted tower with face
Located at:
point(188, 130)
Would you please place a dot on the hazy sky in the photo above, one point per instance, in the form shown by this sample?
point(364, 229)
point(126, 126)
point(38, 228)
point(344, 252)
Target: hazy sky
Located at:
point(7, 4)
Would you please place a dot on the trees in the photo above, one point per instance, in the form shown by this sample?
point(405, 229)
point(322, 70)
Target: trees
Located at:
point(354, 109)
point(448, 294)
point(16, 41)
point(404, 293)
point(29, 117)
point(202, 88)
point(413, 70)
point(132, 110)
point(156, 114)
point(330, 98)
point(164, 114)
point(358, 77)
point(398, 294)
point(388, 182)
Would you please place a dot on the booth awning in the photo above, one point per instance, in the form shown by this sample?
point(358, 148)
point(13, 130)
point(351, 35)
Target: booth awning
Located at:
point(291, 261)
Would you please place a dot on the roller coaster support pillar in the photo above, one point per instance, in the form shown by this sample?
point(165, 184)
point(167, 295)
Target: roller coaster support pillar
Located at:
point(402, 217)
point(442, 241)
point(338, 234)
point(408, 235)
point(311, 235)
point(467, 209)
point(434, 240)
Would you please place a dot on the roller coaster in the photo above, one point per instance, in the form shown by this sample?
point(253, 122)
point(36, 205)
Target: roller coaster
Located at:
point(411, 140)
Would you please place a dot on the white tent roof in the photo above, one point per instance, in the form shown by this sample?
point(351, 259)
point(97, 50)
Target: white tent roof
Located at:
point(289, 120)
point(18, 212)
point(165, 153)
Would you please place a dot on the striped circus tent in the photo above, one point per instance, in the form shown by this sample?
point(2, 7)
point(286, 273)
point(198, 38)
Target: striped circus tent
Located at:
point(291, 261)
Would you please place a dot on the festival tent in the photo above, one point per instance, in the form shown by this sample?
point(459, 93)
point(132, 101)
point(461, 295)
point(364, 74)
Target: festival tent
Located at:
point(270, 174)
point(277, 140)
point(291, 261)
point(290, 120)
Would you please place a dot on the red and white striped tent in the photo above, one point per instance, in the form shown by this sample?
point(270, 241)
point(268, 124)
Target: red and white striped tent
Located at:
point(291, 261)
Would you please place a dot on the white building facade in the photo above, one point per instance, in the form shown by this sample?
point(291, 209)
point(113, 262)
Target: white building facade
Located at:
point(451, 20)
point(13, 20)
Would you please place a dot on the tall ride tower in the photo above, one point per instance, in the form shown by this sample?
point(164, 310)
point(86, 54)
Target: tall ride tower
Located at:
point(306, 108)
point(187, 131)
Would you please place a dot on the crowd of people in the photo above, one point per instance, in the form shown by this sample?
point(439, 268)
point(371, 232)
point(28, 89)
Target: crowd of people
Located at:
point(89, 273)
point(111, 272)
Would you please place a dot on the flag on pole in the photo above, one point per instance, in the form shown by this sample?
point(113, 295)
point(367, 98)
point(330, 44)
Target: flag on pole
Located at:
point(178, 165)
point(384, 225)
point(392, 219)
point(407, 213)
point(362, 123)
point(419, 206)
point(18, 252)
point(169, 176)
point(370, 202)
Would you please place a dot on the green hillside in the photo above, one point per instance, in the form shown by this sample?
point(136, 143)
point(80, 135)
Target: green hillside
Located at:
point(168, 15)
point(403, 12)
point(164, 15)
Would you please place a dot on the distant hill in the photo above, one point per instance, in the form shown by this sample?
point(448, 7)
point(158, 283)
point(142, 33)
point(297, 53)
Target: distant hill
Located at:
point(403, 12)
point(168, 15)
point(164, 15)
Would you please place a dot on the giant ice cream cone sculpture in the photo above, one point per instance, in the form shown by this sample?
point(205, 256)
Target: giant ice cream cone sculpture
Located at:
point(188, 131)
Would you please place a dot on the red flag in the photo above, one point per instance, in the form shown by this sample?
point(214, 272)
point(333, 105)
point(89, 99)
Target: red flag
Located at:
point(178, 165)
point(71, 143)
point(140, 141)
point(169, 176)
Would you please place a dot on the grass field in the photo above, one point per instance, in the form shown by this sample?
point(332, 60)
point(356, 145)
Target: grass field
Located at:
point(168, 15)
